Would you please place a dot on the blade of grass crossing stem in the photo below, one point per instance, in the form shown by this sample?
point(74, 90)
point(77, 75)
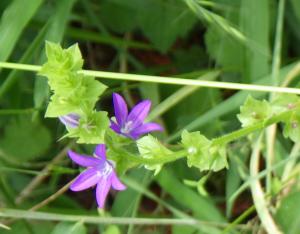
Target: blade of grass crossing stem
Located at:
point(257, 30)
point(214, 19)
point(177, 96)
point(271, 131)
point(26, 57)
point(292, 157)
point(227, 106)
point(13, 21)
point(85, 35)
point(221, 23)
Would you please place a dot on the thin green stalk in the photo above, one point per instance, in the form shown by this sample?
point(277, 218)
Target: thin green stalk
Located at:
point(258, 194)
point(278, 43)
point(13, 75)
point(250, 129)
point(42, 175)
point(238, 220)
point(271, 132)
point(86, 35)
point(22, 214)
point(153, 161)
point(289, 166)
point(262, 174)
point(223, 140)
point(164, 80)
point(25, 171)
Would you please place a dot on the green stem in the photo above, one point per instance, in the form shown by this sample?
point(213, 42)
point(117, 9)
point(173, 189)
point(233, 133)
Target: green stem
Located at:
point(271, 132)
point(22, 214)
point(223, 140)
point(238, 220)
point(247, 130)
point(164, 80)
point(153, 161)
point(258, 194)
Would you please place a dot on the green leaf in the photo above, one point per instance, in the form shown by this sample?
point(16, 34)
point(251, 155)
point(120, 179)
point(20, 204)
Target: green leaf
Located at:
point(56, 26)
point(69, 228)
point(13, 21)
point(20, 227)
point(73, 93)
point(200, 154)
point(163, 21)
point(218, 158)
point(118, 151)
point(61, 60)
point(205, 208)
point(150, 148)
point(112, 229)
point(25, 140)
point(91, 129)
point(257, 30)
point(288, 214)
point(284, 102)
point(292, 127)
point(127, 15)
point(197, 147)
point(254, 111)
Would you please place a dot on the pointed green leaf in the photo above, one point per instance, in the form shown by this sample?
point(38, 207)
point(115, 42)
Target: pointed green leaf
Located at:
point(91, 129)
point(254, 111)
point(292, 127)
point(149, 147)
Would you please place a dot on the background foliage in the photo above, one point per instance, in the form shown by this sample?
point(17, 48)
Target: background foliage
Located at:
point(183, 38)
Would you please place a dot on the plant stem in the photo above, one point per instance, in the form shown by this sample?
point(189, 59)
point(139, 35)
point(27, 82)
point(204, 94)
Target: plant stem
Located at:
point(258, 194)
point(163, 80)
point(271, 131)
point(247, 130)
point(22, 214)
point(153, 161)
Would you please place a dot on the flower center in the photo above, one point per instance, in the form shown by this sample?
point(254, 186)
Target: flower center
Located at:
point(127, 127)
point(105, 170)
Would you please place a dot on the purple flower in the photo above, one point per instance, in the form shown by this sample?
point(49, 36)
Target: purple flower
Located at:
point(132, 125)
point(99, 172)
point(70, 120)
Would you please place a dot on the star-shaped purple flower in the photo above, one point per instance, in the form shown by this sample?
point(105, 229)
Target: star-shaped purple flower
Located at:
point(99, 172)
point(132, 125)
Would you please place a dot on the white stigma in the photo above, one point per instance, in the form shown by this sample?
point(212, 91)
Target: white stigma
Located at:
point(127, 127)
point(192, 150)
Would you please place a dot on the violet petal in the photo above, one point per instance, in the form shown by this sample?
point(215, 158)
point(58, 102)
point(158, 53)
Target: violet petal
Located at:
point(100, 151)
point(70, 120)
point(83, 160)
point(86, 179)
point(145, 128)
point(116, 183)
point(138, 114)
point(102, 190)
point(115, 127)
point(120, 108)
